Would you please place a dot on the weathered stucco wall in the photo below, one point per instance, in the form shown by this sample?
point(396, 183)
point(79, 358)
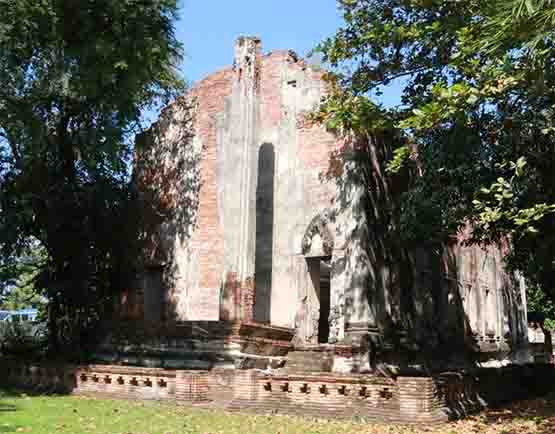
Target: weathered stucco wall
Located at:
point(254, 231)
point(291, 89)
point(246, 126)
point(188, 241)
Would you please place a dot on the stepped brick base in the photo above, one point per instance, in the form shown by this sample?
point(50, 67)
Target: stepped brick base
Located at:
point(425, 400)
point(198, 345)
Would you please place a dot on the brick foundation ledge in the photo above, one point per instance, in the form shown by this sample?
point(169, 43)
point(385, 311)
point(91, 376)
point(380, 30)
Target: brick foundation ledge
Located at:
point(194, 344)
point(401, 400)
point(413, 400)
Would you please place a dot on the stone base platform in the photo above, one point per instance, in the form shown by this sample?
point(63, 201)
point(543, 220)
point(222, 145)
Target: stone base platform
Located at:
point(340, 359)
point(195, 345)
point(425, 400)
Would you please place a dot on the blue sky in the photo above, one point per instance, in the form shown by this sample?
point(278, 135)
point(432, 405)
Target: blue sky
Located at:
point(208, 29)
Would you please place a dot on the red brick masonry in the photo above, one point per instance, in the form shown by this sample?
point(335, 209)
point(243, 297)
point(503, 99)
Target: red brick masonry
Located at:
point(404, 399)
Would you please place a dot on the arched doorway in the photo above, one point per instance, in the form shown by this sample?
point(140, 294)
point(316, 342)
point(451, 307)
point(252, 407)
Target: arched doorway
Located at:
point(317, 248)
point(319, 269)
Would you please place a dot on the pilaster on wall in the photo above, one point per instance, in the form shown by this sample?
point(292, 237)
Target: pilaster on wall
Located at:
point(337, 300)
point(358, 276)
point(191, 386)
point(418, 400)
point(237, 180)
point(246, 385)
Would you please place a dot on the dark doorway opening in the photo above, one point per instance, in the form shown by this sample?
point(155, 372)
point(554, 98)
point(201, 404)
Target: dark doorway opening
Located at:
point(264, 233)
point(154, 297)
point(325, 295)
point(320, 274)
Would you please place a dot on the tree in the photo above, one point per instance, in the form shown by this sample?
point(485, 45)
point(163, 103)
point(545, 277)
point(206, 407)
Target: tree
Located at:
point(76, 76)
point(476, 115)
point(18, 285)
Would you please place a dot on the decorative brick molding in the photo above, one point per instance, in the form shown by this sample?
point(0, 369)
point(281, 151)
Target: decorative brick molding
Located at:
point(127, 382)
point(419, 400)
point(317, 395)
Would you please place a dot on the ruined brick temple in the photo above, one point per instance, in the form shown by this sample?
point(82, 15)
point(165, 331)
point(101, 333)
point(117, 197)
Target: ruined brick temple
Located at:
point(269, 285)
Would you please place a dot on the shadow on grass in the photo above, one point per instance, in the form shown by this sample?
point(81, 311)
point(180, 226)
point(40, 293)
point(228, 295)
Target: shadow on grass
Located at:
point(540, 410)
point(8, 406)
point(23, 392)
point(9, 429)
point(11, 393)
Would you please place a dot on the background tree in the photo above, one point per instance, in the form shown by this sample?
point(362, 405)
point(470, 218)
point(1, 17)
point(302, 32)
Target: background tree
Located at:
point(76, 77)
point(478, 91)
point(18, 289)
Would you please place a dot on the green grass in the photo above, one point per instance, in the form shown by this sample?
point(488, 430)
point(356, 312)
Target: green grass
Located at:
point(20, 413)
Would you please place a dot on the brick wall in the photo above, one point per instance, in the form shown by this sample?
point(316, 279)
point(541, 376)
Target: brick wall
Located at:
point(208, 240)
point(126, 382)
point(317, 395)
point(192, 386)
point(178, 339)
point(424, 400)
point(238, 299)
point(418, 400)
point(248, 300)
point(197, 268)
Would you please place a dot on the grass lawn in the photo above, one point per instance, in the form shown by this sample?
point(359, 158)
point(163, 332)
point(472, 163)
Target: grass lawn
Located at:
point(20, 413)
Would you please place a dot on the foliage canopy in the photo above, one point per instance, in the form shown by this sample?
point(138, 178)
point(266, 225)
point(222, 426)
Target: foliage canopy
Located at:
point(76, 76)
point(477, 116)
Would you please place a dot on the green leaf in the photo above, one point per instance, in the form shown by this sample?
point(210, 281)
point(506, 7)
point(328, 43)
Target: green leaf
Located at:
point(121, 65)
